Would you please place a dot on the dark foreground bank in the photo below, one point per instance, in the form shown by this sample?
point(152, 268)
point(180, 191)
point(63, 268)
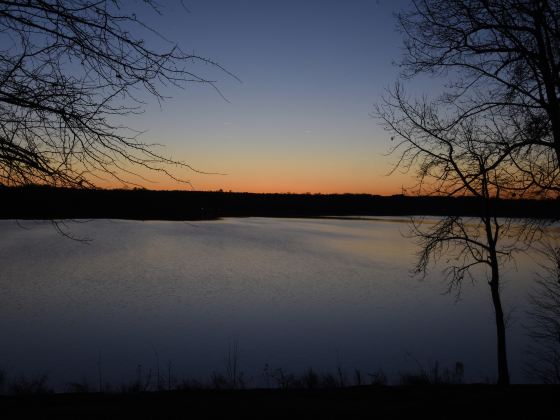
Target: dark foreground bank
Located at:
point(432, 402)
point(64, 203)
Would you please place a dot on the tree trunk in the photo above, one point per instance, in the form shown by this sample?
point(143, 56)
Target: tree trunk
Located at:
point(492, 234)
point(503, 371)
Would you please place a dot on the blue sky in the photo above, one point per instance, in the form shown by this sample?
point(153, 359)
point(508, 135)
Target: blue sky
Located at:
point(300, 119)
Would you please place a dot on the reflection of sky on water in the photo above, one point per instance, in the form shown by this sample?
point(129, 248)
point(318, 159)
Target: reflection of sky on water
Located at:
point(293, 293)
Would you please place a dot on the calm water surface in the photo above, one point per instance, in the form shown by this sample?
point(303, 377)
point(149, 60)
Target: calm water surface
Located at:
point(292, 293)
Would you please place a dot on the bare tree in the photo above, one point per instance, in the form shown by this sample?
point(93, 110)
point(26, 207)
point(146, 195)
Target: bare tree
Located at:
point(493, 131)
point(501, 56)
point(460, 158)
point(69, 72)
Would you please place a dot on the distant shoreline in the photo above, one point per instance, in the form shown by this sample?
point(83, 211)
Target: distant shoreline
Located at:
point(46, 203)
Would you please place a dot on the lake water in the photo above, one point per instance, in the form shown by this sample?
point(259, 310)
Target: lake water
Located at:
point(289, 293)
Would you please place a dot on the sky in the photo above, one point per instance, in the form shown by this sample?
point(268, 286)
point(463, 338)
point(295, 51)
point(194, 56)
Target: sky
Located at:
point(299, 119)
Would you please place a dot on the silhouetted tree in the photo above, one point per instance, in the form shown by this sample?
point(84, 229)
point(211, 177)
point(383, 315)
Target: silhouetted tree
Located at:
point(460, 159)
point(501, 56)
point(492, 131)
point(69, 71)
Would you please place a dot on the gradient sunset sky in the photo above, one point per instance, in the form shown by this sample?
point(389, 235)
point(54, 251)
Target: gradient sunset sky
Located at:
point(300, 120)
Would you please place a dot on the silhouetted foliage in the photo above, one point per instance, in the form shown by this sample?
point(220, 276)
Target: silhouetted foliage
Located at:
point(434, 376)
point(311, 379)
point(70, 71)
point(33, 385)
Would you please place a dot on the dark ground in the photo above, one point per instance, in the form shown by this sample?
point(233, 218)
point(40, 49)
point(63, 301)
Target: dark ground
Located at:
point(393, 402)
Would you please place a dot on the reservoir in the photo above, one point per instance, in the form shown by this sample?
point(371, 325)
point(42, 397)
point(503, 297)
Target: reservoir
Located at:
point(130, 298)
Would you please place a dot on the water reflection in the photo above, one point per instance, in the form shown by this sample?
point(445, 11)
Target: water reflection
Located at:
point(292, 293)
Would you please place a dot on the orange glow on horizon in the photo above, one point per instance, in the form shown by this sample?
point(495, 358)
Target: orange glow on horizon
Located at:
point(298, 175)
point(388, 188)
